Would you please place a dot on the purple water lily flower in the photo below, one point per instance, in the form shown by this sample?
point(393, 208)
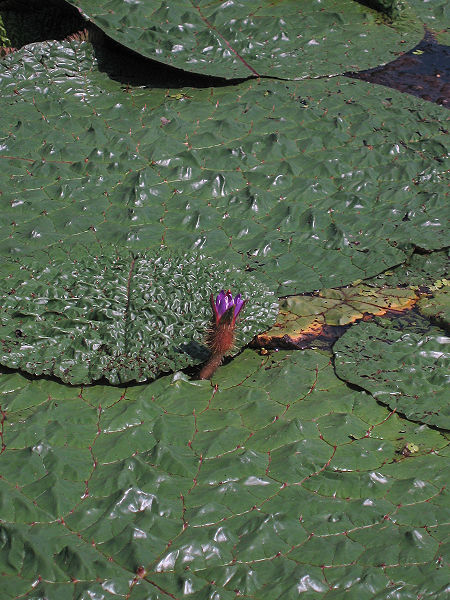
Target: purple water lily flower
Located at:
point(224, 302)
point(220, 334)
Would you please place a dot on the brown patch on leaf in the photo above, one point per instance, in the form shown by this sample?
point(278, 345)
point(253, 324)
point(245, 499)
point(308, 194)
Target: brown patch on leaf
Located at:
point(324, 315)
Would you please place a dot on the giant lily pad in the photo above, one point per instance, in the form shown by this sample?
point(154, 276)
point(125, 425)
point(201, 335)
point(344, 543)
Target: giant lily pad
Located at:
point(279, 177)
point(247, 488)
point(243, 39)
point(419, 270)
point(437, 308)
point(119, 316)
point(436, 16)
point(276, 480)
point(303, 318)
point(404, 369)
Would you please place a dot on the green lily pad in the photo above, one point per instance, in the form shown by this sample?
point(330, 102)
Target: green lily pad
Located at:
point(418, 270)
point(437, 308)
point(436, 16)
point(278, 177)
point(276, 479)
point(247, 487)
point(235, 40)
point(119, 316)
point(407, 370)
point(303, 318)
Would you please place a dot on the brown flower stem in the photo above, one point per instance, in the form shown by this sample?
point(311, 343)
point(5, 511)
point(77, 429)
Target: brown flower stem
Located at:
point(220, 335)
point(209, 368)
point(220, 340)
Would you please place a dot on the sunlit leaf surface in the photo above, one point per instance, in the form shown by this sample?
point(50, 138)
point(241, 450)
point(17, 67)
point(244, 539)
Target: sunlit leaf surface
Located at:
point(406, 369)
point(303, 318)
point(119, 316)
point(284, 39)
point(277, 479)
point(315, 184)
point(274, 480)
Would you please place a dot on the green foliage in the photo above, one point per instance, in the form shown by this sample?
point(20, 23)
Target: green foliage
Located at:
point(436, 16)
point(275, 481)
point(232, 40)
point(406, 369)
point(418, 270)
point(281, 177)
point(119, 316)
point(437, 308)
point(4, 40)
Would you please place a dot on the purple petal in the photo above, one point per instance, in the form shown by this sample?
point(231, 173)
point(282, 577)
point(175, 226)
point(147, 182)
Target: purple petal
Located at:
point(229, 299)
point(225, 300)
point(221, 303)
point(238, 304)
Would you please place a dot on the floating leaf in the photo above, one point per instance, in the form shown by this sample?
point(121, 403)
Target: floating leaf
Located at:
point(303, 318)
point(119, 316)
point(278, 479)
point(282, 39)
point(286, 183)
point(437, 308)
point(407, 370)
point(436, 16)
point(418, 270)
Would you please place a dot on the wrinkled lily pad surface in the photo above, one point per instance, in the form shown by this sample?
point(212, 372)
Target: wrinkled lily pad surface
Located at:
point(304, 317)
point(315, 184)
point(407, 370)
point(285, 39)
point(437, 308)
point(119, 316)
point(436, 16)
point(276, 482)
point(418, 270)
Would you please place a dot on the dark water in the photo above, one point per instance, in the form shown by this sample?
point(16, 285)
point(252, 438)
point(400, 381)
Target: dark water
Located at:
point(424, 71)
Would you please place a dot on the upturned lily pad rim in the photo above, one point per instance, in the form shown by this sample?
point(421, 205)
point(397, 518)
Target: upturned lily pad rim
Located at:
point(398, 17)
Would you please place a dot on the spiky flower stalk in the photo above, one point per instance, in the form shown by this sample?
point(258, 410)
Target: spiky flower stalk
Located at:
point(220, 336)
